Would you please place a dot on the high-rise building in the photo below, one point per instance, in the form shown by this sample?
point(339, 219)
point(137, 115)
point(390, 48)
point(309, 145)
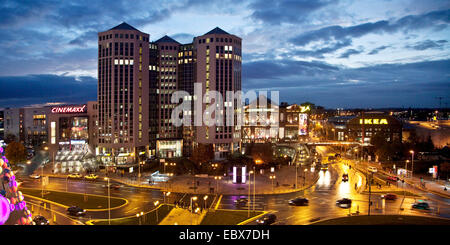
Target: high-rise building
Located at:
point(169, 139)
point(218, 68)
point(123, 94)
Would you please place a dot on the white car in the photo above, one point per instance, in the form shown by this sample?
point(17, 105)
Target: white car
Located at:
point(372, 169)
point(34, 176)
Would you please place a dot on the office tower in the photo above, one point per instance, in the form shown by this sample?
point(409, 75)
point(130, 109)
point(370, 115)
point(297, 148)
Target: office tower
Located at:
point(123, 90)
point(218, 68)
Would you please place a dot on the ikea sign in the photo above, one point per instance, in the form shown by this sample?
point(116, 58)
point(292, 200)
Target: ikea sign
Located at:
point(375, 121)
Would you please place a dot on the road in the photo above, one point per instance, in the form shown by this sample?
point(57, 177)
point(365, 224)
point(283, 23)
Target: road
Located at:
point(322, 198)
point(139, 199)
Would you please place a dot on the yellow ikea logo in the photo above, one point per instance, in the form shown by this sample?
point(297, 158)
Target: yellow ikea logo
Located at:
point(373, 121)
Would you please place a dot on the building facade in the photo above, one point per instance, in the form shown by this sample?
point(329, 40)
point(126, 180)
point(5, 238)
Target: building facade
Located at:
point(123, 94)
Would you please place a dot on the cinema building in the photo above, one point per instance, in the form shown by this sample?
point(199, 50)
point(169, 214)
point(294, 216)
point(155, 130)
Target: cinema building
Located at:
point(72, 131)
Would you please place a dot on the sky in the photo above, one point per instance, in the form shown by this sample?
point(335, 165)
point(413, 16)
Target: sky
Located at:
point(333, 53)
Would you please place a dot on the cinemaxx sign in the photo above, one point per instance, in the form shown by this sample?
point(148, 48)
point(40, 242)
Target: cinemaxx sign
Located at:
point(69, 109)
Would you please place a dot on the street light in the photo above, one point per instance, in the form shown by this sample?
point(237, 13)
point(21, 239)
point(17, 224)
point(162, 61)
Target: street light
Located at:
point(249, 188)
point(156, 204)
point(217, 178)
point(204, 198)
point(109, 202)
point(412, 163)
point(304, 177)
point(272, 177)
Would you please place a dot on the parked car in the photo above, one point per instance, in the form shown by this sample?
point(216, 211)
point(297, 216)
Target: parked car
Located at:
point(34, 176)
point(389, 196)
point(74, 176)
point(344, 203)
point(40, 220)
point(267, 219)
point(76, 211)
point(421, 205)
point(345, 177)
point(300, 201)
point(91, 177)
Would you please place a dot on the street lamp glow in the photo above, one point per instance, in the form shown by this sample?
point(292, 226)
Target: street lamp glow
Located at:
point(205, 197)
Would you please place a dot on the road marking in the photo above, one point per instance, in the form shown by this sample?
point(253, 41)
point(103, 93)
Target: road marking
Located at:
point(218, 202)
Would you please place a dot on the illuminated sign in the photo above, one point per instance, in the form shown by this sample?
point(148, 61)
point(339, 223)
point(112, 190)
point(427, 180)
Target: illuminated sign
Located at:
point(69, 109)
point(305, 108)
point(373, 121)
point(303, 124)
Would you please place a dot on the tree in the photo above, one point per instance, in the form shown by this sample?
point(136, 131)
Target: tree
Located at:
point(10, 138)
point(16, 152)
point(202, 153)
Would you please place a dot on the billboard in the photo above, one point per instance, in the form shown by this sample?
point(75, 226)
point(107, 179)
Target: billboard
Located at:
point(303, 124)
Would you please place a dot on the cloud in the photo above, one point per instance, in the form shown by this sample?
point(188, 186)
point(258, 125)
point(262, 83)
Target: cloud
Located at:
point(276, 12)
point(407, 23)
point(427, 44)
point(378, 49)
point(44, 88)
point(349, 52)
point(414, 84)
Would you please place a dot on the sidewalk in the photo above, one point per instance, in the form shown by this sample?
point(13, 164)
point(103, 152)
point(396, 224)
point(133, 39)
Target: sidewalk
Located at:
point(181, 216)
point(427, 185)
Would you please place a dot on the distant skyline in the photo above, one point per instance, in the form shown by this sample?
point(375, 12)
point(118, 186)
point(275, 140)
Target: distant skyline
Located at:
point(333, 53)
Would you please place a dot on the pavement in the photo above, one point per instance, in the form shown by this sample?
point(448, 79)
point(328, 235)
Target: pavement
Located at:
point(427, 183)
point(182, 216)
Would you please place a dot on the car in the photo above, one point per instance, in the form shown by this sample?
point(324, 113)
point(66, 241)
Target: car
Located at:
point(74, 176)
point(241, 201)
point(389, 196)
point(372, 169)
point(34, 176)
point(91, 177)
point(267, 219)
point(393, 178)
point(112, 186)
point(76, 211)
point(344, 203)
point(40, 220)
point(345, 177)
point(299, 201)
point(421, 205)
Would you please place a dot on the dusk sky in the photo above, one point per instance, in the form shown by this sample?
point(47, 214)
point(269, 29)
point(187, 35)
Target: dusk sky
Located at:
point(343, 53)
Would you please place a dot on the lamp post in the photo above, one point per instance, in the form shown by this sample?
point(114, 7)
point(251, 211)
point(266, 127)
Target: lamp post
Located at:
point(406, 167)
point(192, 198)
point(272, 177)
point(254, 187)
point(296, 174)
point(412, 163)
point(109, 202)
point(156, 205)
point(304, 177)
point(204, 199)
point(249, 188)
point(217, 178)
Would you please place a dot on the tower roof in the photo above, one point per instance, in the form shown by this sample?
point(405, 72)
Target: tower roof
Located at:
point(217, 30)
point(166, 39)
point(124, 26)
